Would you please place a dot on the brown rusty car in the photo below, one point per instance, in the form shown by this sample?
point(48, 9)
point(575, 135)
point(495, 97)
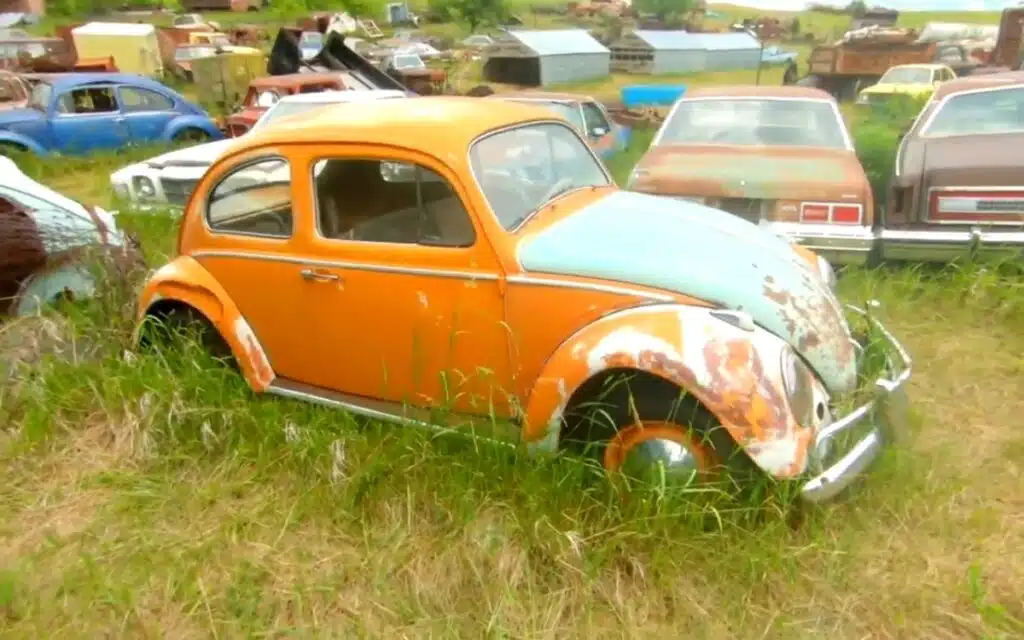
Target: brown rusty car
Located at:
point(265, 92)
point(958, 184)
point(775, 156)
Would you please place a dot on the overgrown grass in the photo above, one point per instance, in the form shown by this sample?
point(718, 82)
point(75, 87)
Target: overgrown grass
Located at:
point(152, 495)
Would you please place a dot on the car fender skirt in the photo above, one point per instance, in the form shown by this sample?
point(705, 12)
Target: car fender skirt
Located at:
point(719, 357)
point(185, 281)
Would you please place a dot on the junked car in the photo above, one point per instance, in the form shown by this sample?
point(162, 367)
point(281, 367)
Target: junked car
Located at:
point(45, 239)
point(84, 112)
point(910, 81)
point(589, 116)
point(781, 157)
point(726, 337)
point(167, 180)
point(958, 183)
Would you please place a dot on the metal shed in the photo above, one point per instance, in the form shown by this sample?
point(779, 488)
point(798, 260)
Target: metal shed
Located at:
point(655, 52)
point(730, 51)
point(542, 58)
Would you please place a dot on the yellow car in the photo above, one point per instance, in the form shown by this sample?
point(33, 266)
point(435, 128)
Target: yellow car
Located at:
point(915, 81)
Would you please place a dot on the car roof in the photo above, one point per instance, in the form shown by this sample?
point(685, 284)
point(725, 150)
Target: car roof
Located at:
point(547, 96)
point(757, 91)
point(931, 66)
point(295, 79)
point(391, 122)
point(984, 81)
point(70, 80)
point(329, 97)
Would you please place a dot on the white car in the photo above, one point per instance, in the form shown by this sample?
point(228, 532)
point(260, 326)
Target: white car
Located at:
point(167, 181)
point(45, 239)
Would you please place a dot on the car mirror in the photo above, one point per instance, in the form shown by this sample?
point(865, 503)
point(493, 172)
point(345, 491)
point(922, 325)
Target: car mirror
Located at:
point(597, 132)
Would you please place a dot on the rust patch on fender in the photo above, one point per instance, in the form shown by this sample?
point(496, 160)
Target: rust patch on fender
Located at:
point(815, 315)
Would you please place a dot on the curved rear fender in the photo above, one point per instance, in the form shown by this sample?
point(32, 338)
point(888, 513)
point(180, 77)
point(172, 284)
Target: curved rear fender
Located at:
point(734, 372)
point(22, 141)
point(185, 281)
point(192, 122)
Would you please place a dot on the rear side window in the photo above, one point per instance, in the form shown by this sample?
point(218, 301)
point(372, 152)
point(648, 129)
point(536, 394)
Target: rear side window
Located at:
point(253, 200)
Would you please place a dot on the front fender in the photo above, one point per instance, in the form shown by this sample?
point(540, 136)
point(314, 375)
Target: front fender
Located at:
point(734, 372)
point(185, 281)
point(191, 122)
point(24, 141)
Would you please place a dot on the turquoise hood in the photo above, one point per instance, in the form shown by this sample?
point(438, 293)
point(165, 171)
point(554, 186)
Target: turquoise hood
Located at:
point(690, 249)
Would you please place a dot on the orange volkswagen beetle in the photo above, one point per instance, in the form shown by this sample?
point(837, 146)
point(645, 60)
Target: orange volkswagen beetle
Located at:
point(476, 256)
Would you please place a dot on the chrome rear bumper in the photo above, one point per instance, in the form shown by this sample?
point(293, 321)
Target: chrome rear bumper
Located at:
point(886, 413)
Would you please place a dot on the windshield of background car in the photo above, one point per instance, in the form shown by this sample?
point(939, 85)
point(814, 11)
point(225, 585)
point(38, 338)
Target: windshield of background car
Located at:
point(996, 111)
point(408, 62)
point(312, 39)
point(286, 109)
point(747, 122)
point(907, 75)
point(40, 97)
point(570, 112)
point(519, 170)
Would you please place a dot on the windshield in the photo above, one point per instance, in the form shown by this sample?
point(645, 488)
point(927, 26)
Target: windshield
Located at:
point(520, 170)
point(284, 109)
point(40, 97)
point(191, 53)
point(906, 75)
point(997, 111)
point(312, 39)
point(569, 111)
point(744, 122)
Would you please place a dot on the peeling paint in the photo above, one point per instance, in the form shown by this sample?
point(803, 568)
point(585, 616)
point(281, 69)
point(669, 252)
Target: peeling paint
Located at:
point(423, 299)
point(257, 358)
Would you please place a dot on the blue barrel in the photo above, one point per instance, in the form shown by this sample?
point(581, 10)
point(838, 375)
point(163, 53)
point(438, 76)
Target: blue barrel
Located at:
point(651, 95)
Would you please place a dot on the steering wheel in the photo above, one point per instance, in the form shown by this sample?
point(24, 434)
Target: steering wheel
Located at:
point(559, 185)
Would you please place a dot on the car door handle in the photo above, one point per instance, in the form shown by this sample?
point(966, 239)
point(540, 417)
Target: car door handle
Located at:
point(312, 275)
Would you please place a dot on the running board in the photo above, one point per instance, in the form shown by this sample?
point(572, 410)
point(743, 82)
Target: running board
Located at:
point(383, 410)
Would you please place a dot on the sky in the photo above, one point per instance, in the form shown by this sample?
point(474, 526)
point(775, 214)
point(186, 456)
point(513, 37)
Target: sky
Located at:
point(899, 5)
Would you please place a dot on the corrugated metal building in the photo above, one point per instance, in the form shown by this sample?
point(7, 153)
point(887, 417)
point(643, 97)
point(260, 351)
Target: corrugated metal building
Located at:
point(542, 58)
point(655, 52)
point(730, 51)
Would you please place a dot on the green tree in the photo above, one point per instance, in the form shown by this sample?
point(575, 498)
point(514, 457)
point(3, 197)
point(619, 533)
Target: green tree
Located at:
point(667, 11)
point(473, 12)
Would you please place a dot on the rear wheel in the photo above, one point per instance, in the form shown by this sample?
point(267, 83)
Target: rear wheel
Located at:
point(11, 150)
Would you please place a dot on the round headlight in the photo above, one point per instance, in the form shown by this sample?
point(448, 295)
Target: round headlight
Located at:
point(143, 186)
point(798, 381)
point(828, 274)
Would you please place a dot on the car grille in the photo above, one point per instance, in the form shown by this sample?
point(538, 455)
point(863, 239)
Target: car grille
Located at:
point(177, 191)
point(750, 209)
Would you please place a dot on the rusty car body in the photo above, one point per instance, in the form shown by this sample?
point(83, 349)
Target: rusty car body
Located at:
point(14, 90)
point(455, 237)
point(777, 156)
point(266, 91)
point(958, 183)
point(606, 136)
point(46, 241)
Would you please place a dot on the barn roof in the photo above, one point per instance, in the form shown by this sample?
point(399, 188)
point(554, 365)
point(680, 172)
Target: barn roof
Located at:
point(555, 42)
point(733, 41)
point(670, 40)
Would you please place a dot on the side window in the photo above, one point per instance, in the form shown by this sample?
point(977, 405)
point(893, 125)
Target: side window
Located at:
point(254, 199)
point(593, 117)
point(136, 99)
point(88, 100)
point(382, 201)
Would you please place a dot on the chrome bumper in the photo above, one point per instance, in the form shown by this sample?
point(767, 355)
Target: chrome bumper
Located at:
point(836, 243)
point(886, 413)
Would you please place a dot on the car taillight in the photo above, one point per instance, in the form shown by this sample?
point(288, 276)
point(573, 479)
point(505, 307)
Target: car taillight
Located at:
point(836, 213)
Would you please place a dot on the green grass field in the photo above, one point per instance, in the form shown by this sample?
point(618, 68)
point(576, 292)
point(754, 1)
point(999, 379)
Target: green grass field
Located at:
point(155, 496)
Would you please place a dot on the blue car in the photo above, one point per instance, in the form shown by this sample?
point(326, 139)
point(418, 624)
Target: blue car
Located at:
point(79, 113)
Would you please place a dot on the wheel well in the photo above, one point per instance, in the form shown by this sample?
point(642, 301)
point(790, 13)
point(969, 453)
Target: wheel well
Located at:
point(10, 144)
point(175, 314)
point(600, 404)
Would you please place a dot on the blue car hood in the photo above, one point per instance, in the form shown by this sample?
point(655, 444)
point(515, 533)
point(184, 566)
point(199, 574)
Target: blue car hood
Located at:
point(690, 249)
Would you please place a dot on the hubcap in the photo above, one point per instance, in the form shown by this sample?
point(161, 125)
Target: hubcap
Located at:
point(657, 457)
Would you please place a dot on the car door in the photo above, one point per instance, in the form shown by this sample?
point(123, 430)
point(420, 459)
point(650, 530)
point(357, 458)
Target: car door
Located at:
point(146, 112)
point(88, 118)
point(403, 297)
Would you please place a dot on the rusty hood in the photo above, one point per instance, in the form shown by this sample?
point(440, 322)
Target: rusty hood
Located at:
point(771, 173)
point(698, 251)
